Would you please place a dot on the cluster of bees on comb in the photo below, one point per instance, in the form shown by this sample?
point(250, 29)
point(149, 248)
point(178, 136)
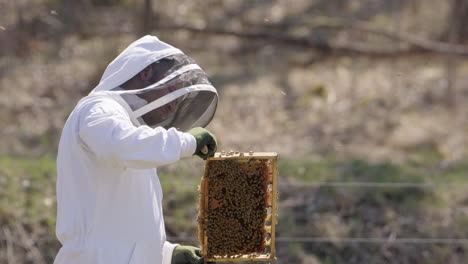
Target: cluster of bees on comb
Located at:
point(236, 207)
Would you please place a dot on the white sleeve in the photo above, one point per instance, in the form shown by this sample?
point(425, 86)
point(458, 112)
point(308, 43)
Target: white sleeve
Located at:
point(107, 131)
point(168, 248)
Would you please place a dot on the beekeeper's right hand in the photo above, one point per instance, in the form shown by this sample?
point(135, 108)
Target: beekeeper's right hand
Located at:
point(204, 138)
point(186, 255)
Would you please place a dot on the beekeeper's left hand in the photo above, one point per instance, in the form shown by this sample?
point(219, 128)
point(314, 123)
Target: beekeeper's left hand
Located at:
point(204, 139)
point(187, 255)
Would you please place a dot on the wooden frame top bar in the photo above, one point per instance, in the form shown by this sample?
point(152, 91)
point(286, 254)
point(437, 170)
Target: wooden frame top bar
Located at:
point(243, 155)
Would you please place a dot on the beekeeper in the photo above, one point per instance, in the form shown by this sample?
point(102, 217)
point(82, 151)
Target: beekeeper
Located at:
point(147, 111)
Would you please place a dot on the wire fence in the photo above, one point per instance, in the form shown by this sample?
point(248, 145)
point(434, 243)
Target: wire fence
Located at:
point(367, 240)
point(353, 184)
point(353, 240)
point(346, 240)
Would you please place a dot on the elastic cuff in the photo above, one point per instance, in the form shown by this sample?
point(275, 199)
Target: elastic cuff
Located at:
point(188, 144)
point(168, 249)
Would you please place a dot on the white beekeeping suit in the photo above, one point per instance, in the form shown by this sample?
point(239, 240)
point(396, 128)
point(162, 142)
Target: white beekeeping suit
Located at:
point(108, 192)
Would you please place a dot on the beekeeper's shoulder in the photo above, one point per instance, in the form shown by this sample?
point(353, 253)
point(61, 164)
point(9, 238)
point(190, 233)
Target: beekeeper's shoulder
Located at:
point(99, 105)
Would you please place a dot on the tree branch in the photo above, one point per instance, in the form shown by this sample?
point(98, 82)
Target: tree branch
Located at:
point(414, 44)
point(413, 41)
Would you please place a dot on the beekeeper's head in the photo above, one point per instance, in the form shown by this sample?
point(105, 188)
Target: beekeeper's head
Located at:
point(160, 86)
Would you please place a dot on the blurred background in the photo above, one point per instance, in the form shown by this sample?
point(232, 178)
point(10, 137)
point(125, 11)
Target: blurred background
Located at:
point(364, 100)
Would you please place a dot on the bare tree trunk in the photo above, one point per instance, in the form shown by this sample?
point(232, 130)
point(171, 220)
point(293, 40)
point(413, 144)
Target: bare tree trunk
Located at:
point(456, 34)
point(459, 19)
point(21, 42)
point(72, 13)
point(68, 15)
point(147, 15)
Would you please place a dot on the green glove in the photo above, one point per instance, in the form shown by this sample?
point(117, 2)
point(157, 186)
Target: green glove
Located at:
point(186, 255)
point(204, 138)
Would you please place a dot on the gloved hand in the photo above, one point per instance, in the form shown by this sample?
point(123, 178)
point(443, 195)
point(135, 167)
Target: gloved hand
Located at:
point(186, 255)
point(204, 138)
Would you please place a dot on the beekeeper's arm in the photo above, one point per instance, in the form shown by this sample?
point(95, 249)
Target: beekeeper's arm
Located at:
point(107, 131)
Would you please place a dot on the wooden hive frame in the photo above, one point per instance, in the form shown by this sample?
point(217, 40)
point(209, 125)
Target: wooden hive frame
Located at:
point(270, 204)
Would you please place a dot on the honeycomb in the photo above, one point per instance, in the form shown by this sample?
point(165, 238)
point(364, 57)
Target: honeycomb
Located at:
point(235, 207)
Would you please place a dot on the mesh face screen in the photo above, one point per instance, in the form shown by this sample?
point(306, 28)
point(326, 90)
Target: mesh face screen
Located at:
point(180, 95)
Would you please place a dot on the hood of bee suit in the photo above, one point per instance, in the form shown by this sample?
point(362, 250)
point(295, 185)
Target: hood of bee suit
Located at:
point(180, 95)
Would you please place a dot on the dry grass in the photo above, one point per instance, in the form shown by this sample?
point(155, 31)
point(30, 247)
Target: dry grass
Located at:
point(347, 107)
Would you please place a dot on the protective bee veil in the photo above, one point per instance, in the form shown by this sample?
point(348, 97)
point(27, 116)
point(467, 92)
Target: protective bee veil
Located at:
point(180, 95)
